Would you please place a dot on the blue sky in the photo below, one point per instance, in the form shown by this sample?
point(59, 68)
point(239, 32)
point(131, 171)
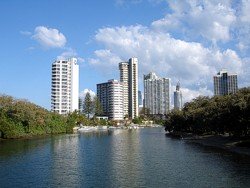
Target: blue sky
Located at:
point(184, 40)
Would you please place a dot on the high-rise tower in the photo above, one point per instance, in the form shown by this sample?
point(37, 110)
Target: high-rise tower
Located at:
point(225, 83)
point(110, 95)
point(156, 94)
point(129, 79)
point(65, 86)
point(177, 98)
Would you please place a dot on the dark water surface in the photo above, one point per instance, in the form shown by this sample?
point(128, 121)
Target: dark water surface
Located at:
point(139, 158)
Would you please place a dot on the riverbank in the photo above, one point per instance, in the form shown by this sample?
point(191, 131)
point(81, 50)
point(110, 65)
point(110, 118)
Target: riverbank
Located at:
point(227, 143)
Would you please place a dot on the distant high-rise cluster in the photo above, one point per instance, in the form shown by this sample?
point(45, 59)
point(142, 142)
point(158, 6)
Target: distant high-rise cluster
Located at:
point(65, 86)
point(156, 94)
point(119, 99)
point(177, 97)
point(225, 83)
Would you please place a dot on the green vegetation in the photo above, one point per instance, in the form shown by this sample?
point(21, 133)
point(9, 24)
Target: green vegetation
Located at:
point(217, 115)
point(97, 106)
point(88, 106)
point(137, 120)
point(20, 118)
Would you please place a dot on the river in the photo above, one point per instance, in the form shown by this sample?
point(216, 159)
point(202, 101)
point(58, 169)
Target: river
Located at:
point(122, 158)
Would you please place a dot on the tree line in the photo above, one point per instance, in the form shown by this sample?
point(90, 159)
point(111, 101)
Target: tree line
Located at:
point(216, 115)
point(21, 118)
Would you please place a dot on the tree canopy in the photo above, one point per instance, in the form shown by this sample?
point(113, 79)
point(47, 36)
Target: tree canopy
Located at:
point(88, 105)
point(216, 115)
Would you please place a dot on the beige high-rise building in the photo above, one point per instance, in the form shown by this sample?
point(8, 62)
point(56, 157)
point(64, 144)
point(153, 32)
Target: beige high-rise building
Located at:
point(129, 79)
point(123, 66)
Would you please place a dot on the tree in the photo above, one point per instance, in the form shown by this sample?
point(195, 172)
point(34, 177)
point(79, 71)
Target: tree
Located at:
point(97, 107)
point(88, 105)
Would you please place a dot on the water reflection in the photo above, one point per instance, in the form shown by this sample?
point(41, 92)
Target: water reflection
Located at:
point(122, 158)
point(127, 166)
point(64, 161)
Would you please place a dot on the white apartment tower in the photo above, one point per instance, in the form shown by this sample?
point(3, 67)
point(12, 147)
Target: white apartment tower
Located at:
point(177, 97)
point(65, 86)
point(110, 95)
point(225, 83)
point(129, 79)
point(156, 94)
point(115, 100)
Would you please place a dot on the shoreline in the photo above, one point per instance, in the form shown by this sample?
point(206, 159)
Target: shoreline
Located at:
point(225, 143)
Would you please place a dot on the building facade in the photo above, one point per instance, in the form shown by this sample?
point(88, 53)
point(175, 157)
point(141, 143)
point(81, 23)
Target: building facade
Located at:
point(65, 86)
point(225, 83)
point(102, 94)
point(129, 79)
point(110, 95)
point(178, 98)
point(156, 94)
point(139, 98)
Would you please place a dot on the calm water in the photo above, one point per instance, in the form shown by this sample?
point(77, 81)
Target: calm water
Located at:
point(141, 158)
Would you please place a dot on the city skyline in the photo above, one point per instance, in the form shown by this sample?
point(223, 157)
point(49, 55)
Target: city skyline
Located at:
point(164, 40)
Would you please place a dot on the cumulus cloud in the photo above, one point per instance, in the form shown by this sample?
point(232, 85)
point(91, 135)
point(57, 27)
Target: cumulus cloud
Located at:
point(69, 53)
point(161, 53)
point(85, 91)
point(209, 19)
point(166, 46)
point(49, 37)
point(189, 94)
point(242, 28)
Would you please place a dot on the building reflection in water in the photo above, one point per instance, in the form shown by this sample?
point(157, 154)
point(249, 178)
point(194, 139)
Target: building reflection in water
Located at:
point(127, 164)
point(65, 159)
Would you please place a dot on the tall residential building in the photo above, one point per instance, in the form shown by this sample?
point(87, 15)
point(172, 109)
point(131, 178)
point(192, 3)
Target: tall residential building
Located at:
point(110, 95)
point(65, 86)
point(177, 98)
point(225, 83)
point(80, 105)
point(156, 94)
point(129, 79)
point(139, 98)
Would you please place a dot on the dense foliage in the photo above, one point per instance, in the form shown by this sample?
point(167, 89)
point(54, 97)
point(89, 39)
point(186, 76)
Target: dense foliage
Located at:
point(88, 105)
point(20, 118)
point(216, 115)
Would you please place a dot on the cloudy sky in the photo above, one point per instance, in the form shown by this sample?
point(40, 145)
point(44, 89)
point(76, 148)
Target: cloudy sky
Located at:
point(186, 40)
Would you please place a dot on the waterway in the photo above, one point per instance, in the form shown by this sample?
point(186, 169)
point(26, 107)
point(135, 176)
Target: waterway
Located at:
point(122, 158)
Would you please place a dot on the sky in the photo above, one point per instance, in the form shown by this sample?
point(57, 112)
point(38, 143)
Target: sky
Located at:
point(185, 40)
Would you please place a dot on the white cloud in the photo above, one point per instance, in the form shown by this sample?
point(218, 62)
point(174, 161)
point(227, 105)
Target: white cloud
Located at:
point(190, 62)
point(166, 46)
point(163, 54)
point(242, 28)
point(189, 94)
point(49, 37)
point(85, 91)
point(245, 11)
point(69, 53)
point(209, 19)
